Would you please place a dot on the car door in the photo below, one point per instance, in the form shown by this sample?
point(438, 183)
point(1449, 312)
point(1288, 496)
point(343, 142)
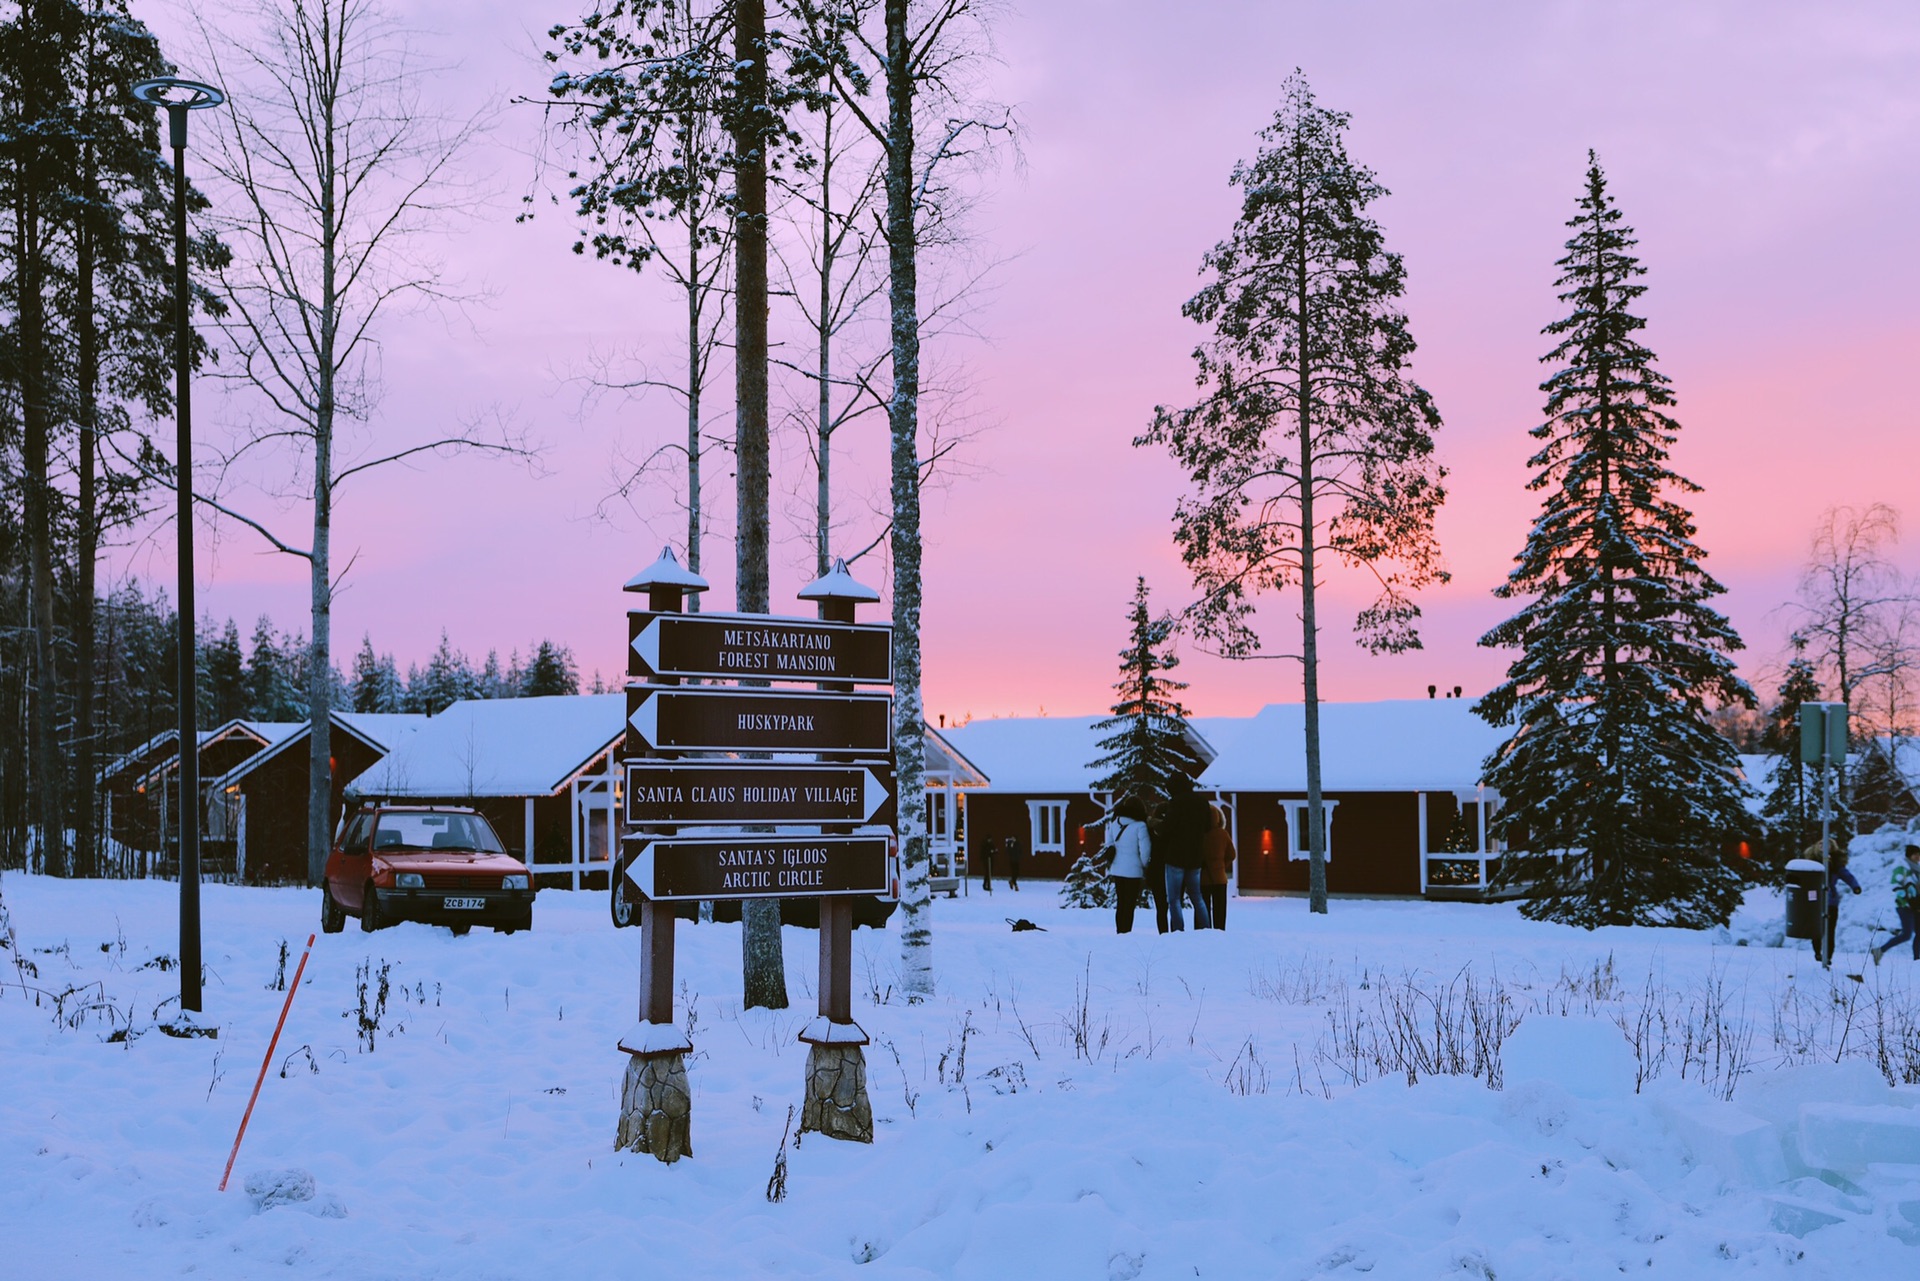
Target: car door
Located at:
point(351, 862)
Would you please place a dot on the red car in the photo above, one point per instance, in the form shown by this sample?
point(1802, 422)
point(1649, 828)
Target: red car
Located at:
point(434, 863)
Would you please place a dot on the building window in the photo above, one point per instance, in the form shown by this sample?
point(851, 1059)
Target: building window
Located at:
point(1297, 828)
point(1049, 823)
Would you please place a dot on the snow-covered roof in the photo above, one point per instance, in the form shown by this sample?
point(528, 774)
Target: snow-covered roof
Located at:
point(1903, 754)
point(1400, 745)
point(944, 757)
point(266, 733)
point(378, 730)
point(1050, 754)
point(499, 747)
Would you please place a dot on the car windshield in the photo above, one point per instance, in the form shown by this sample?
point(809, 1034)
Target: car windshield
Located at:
point(404, 830)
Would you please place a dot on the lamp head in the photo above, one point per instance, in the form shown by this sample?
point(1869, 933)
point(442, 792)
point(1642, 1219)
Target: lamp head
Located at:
point(178, 96)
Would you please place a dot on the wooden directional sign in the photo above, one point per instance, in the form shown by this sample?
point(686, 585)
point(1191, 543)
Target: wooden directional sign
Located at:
point(662, 792)
point(758, 646)
point(704, 719)
point(729, 867)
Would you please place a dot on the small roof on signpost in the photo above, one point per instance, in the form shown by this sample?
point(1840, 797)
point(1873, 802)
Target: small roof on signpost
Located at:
point(838, 584)
point(667, 571)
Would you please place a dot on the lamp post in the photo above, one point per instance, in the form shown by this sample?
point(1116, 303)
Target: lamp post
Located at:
point(179, 97)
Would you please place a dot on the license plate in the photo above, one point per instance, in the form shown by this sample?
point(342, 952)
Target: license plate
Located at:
point(472, 904)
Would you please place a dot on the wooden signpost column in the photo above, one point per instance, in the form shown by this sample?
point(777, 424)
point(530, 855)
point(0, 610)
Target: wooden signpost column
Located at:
point(656, 1106)
point(836, 1101)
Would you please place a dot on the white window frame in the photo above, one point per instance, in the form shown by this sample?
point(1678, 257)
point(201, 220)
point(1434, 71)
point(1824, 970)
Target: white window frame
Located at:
point(1042, 815)
point(1297, 828)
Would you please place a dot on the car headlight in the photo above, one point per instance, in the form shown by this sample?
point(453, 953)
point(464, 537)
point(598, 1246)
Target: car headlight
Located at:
point(410, 881)
point(515, 882)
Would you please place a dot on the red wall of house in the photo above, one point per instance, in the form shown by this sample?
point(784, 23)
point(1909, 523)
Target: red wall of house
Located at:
point(277, 807)
point(998, 815)
point(1374, 842)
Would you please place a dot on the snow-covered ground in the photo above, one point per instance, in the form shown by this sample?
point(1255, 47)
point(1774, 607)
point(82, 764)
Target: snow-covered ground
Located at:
point(1071, 1105)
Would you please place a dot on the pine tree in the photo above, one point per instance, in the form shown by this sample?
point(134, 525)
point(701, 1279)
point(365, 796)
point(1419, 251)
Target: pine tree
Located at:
point(551, 671)
point(1791, 811)
point(226, 679)
point(1613, 762)
point(270, 676)
point(1145, 740)
point(448, 679)
point(1087, 884)
point(1311, 444)
point(1145, 743)
point(366, 689)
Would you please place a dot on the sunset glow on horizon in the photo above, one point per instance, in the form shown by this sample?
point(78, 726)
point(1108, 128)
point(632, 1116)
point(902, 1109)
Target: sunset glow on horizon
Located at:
point(1764, 153)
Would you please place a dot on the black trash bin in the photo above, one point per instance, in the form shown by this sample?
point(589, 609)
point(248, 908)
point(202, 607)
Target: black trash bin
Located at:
point(1806, 885)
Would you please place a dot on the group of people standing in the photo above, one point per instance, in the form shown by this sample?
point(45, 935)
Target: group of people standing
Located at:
point(1185, 857)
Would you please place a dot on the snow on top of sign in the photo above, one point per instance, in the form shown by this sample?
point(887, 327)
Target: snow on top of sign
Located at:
point(1398, 745)
point(499, 747)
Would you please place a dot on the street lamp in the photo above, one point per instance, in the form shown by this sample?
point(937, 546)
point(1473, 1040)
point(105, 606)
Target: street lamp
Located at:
point(179, 97)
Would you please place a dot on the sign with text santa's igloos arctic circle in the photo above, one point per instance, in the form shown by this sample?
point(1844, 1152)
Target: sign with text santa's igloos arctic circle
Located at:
point(731, 867)
point(707, 719)
point(758, 647)
point(738, 792)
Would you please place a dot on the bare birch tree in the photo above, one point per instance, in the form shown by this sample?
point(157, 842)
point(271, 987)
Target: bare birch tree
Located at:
point(339, 171)
point(925, 56)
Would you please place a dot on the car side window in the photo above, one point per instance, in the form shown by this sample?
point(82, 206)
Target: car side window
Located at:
point(357, 834)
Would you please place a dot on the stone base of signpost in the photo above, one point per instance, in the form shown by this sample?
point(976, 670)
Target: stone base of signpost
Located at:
point(656, 1107)
point(836, 1101)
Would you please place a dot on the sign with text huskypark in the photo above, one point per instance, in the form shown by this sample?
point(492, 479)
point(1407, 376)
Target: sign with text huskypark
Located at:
point(758, 646)
point(706, 719)
point(662, 792)
point(729, 867)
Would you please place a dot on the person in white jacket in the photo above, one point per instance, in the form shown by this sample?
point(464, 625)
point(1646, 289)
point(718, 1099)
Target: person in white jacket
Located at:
point(1132, 848)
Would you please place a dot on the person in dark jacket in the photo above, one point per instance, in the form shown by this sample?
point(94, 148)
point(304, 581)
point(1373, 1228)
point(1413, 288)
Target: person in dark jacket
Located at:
point(986, 865)
point(1157, 868)
point(1836, 873)
point(1188, 818)
point(1012, 868)
point(1216, 866)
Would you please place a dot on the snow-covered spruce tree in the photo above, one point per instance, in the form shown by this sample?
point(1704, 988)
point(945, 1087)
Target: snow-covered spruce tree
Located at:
point(1310, 444)
point(1145, 741)
point(1613, 762)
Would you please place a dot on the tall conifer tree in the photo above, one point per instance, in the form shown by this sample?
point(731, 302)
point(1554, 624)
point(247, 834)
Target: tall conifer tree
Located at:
point(1311, 444)
point(1613, 763)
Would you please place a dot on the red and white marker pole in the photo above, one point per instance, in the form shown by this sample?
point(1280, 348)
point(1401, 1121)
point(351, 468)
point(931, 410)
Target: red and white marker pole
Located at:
point(266, 1062)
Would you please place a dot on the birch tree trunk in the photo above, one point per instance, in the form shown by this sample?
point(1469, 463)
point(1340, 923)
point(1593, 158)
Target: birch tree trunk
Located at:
point(903, 419)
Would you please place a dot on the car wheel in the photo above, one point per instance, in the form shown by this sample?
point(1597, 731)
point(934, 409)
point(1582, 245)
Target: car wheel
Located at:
point(369, 910)
point(459, 930)
point(622, 906)
point(333, 918)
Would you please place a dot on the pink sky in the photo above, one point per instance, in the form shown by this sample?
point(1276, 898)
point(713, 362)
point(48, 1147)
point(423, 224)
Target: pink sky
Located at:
point(1765, 153)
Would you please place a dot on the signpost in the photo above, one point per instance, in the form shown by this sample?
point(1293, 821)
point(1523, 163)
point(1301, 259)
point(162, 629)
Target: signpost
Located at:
point(758, 646)
point(734, 867)
point(710, 719)
point(811, 807)
point(662, 793)
point(1823, 743)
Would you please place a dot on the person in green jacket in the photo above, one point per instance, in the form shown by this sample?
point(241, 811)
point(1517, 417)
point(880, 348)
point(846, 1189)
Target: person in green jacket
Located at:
point(1906, 901)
